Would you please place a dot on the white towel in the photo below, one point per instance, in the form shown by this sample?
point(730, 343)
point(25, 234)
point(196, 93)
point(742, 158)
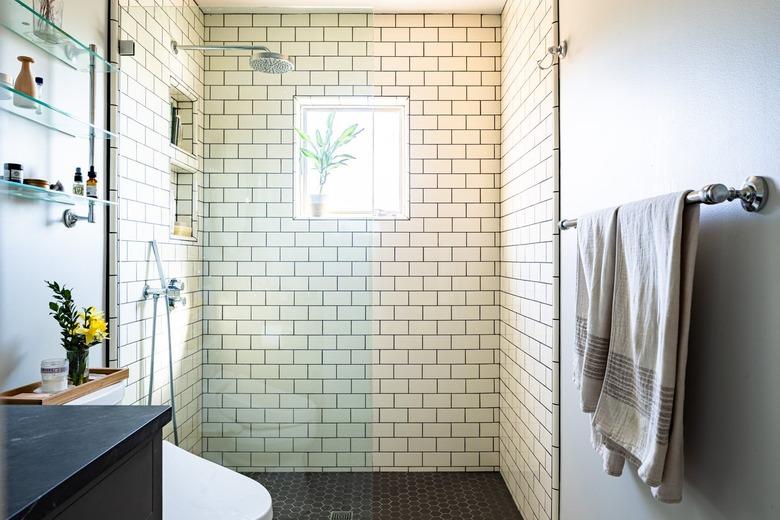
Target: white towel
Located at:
point(639, 413)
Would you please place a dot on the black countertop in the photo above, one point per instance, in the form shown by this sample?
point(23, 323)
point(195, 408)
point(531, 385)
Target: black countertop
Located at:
point(53, 451)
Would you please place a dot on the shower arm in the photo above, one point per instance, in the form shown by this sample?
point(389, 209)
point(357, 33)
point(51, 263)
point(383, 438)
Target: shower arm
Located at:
point(228, 47)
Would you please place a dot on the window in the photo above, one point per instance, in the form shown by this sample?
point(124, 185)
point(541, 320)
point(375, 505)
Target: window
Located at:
point(351, 157)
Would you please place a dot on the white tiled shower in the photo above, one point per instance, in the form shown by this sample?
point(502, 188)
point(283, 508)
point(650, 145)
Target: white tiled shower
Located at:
point(320, 345)
point(353, 343)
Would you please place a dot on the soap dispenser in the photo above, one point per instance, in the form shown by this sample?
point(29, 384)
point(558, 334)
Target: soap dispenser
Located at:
point(78, 183)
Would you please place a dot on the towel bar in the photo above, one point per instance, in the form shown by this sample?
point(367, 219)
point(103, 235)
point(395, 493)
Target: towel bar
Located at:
point(753, 196)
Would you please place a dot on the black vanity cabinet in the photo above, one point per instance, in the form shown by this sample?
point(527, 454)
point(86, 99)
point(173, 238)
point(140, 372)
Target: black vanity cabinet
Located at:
point(83, 462)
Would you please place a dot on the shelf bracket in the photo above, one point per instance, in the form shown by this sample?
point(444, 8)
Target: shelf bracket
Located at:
point(70, 219)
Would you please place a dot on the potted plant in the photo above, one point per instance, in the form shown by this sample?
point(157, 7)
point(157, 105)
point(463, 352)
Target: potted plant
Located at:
point(323, 154)
point(80, 330)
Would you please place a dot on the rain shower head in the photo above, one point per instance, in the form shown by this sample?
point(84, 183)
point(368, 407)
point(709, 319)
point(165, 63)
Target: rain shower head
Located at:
point(264, 60)
point(271, 62)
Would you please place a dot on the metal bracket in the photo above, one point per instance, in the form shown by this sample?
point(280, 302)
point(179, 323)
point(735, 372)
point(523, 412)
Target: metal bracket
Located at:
point(70, 219)
point(753, 193)
point(556, 50)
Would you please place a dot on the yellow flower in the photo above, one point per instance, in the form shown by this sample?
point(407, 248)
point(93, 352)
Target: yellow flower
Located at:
point(79, 330)
point(96, 329)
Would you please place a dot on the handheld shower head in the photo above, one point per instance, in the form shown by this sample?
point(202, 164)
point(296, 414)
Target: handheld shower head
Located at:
point(271, 62)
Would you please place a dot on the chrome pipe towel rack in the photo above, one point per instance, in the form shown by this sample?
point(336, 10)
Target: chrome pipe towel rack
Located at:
point(752, 194)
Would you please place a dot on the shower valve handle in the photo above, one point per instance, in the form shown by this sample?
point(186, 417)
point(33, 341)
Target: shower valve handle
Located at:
point(175, 288)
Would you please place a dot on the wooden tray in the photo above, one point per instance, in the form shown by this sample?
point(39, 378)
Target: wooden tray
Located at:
point(98, 378)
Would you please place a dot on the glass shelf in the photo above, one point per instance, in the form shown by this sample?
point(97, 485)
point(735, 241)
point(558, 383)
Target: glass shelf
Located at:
point(49, 116)
point(27, 191)
point(22, 19)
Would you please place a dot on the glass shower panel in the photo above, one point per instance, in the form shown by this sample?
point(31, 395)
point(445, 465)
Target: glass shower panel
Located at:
point(288, 348)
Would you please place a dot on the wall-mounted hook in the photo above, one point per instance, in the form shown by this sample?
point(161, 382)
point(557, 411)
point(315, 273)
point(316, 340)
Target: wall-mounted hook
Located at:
point(555, 50)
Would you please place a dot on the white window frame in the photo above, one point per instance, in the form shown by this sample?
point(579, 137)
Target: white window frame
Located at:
point(300, 195)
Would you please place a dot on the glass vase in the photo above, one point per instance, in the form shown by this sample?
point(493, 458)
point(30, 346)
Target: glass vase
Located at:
point(78, 366)
point(50, 10)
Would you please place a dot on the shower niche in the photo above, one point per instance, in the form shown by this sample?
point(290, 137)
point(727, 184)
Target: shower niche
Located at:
point(183, 118)
point(184, 164)
point(184, 202)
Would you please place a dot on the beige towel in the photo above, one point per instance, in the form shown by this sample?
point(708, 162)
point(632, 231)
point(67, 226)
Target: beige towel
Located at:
point(594, 286)
point(639, 413)
point(595, 282)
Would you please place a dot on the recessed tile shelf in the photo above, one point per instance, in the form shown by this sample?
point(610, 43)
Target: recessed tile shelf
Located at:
point(26, 191)
point(19, 17)
point(49, 116)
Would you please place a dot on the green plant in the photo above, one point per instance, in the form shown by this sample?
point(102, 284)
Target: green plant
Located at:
point(324, 148)
point(64, 311)
point(79, 330)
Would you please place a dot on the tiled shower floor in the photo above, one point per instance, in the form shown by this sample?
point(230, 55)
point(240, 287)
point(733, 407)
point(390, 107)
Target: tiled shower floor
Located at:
point(386, 496)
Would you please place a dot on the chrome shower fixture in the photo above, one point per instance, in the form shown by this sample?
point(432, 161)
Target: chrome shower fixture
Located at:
point(172, 292)
point(263, 60)
point(271, 62)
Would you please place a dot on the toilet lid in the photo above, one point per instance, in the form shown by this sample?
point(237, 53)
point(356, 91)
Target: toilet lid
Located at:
point(195, 488)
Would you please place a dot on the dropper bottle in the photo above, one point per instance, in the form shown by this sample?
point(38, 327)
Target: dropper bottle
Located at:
point(92, 183)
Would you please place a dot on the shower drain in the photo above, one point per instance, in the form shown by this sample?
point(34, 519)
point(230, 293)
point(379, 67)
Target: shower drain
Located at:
point(340, 515)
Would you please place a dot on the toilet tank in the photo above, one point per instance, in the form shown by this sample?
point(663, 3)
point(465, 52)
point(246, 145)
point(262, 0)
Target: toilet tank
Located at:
point(105, 396)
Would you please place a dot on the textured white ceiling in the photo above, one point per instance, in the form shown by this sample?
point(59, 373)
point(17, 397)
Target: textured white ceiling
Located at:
point(378, 6)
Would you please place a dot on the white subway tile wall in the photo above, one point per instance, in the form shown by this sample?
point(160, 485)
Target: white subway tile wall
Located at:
point(353, 344)
point(528, 325)
point(142, 184)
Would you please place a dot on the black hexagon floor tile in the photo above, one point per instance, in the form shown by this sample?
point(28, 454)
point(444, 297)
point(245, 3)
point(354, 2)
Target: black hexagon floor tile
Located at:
point(390, 495)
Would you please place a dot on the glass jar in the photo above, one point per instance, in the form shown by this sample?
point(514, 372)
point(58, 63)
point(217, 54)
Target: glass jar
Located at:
point(78, 366)
point(13, 172)
point(54, 375)
point(45, 26)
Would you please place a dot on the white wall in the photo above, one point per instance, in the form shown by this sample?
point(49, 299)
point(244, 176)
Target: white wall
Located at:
point(34, 244)
point(662, 96)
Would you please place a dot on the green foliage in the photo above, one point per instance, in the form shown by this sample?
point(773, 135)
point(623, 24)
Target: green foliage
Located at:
point(64, 311)
point(323, 152)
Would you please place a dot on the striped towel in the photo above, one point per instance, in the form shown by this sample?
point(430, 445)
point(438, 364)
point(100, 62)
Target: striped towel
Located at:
point(640, 409)
point(595, 281)
point(594, 287)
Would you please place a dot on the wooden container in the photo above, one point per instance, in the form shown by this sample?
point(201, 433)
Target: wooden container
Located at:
point(98, 378)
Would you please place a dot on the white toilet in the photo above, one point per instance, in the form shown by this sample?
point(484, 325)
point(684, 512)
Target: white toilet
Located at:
point(195, 488)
